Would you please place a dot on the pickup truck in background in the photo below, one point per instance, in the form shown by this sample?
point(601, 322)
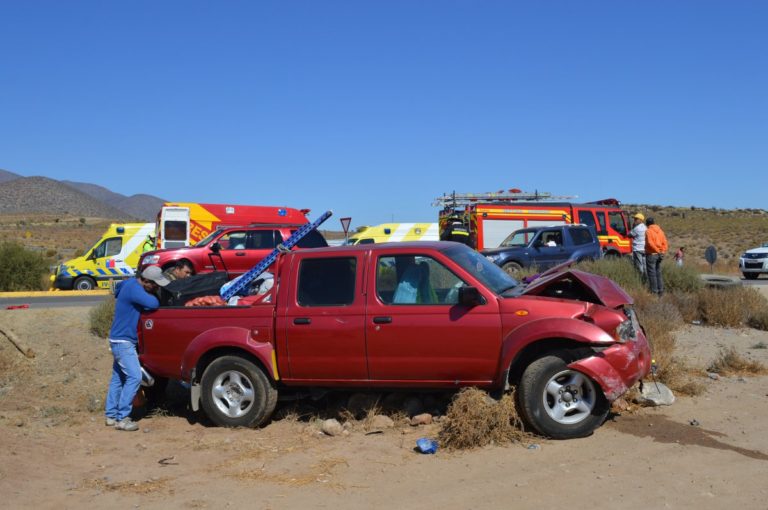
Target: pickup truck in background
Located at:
point(411, 315)
point(545, 247)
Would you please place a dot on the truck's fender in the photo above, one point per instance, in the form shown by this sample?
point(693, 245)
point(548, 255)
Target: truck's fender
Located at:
point(232, 337)
point(549, 328)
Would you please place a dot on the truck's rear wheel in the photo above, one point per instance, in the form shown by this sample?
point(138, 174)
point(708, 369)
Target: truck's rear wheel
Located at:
point(237, 393)
point(559, 402)
point(84, 283)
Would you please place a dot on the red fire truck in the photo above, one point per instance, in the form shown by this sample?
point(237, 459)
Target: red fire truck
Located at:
point(182, 224)
point(484, 220)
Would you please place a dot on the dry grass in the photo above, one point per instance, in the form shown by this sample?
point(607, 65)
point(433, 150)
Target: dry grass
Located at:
point(319, 473)
point(474, 419)
point(150, 486)
point(730, 362)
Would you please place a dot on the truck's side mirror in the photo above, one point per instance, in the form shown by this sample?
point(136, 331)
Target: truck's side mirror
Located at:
point(216, 247)
point(470, 296)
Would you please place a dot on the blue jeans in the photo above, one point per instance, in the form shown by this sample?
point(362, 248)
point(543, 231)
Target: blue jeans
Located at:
point(126, 378)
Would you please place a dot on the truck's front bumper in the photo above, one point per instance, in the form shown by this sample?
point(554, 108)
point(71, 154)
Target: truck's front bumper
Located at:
point(62, 282)
point(618, 367)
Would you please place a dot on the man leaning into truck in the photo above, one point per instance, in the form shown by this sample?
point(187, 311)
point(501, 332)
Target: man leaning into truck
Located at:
point(131, 298)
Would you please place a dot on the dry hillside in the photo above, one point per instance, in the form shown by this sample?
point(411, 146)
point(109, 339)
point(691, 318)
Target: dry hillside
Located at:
point(43, 195)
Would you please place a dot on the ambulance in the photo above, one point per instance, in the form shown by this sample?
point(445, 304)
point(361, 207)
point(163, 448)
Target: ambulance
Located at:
point(111, 259)
point(395, 232)
point(484, 220)
point(181, 224)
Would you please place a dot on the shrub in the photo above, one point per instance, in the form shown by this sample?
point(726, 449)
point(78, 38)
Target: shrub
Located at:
point(687, 304)
point(730, 362)
point(21, 269)
point(680, 279)
point(101, 318)
point(475, 419)
point(733, 307)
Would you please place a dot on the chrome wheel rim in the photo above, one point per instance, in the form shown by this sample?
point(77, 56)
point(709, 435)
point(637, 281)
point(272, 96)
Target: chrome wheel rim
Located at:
point(569, 397)
point(233, 393)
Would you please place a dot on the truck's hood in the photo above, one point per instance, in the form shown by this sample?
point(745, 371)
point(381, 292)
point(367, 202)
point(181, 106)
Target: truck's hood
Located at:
point(576, 284)
point(763, 250)
point(496, 251)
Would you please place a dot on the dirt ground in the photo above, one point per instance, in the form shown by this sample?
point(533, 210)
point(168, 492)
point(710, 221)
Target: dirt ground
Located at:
point(703, 452)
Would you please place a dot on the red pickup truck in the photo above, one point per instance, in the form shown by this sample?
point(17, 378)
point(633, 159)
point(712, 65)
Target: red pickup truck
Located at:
point(407, 315)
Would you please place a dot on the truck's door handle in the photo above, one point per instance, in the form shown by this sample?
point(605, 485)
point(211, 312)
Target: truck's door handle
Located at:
point(302, 320)
point(240, 254)
point(382, 320)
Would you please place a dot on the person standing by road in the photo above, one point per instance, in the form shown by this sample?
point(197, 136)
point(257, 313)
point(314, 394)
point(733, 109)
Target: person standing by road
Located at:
point(679, 254)
point(638, 242)
point(655, 248)
point(132, 297)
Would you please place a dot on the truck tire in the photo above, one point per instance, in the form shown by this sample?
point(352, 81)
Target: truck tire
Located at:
point(559, 402)
point(720, 281)
point(84, 283)
point(237, 393)
point(512, 268)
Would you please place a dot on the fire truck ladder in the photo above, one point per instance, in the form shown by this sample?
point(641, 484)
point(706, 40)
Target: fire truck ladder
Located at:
point(514, 195)
point(241, 282)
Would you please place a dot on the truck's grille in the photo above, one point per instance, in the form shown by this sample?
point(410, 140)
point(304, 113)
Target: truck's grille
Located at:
point(753, 265)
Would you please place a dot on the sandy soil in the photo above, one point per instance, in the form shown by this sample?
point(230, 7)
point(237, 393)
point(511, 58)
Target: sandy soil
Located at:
point(704, 452)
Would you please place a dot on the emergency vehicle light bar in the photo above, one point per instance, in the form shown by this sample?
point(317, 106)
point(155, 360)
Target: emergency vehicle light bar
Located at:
point(513, 195)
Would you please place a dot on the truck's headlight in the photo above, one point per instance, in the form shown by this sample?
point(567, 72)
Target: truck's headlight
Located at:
point(150, 259)
point(626, 332)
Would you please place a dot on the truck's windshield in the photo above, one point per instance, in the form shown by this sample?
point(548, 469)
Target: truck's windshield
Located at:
point(207, 239)
point(517, 238)
point(491, 275)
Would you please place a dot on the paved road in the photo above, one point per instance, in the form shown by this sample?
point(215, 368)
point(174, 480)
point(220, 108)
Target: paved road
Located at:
point(52, 301)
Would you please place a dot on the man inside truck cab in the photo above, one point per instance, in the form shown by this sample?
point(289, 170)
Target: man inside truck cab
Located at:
point(181, 270)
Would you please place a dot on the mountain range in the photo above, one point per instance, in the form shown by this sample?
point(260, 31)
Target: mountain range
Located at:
point(24, 195)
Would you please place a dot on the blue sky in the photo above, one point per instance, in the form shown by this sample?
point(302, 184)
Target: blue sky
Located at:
point(375, 108)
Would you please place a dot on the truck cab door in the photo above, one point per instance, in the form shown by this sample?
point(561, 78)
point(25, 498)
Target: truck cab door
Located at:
point(416, 330)
point(548, 249)
point(324, 320)
point(102, 258)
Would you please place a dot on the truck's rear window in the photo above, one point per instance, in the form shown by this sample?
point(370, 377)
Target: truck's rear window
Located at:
point(327, 282)
point(313, 239)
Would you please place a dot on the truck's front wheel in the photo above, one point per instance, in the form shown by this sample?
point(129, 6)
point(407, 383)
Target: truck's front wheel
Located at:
point(237, 393)
point(84, 283)
point(559, 402)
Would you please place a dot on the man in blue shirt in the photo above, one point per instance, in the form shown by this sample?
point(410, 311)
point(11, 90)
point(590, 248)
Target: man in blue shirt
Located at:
point(132, 297)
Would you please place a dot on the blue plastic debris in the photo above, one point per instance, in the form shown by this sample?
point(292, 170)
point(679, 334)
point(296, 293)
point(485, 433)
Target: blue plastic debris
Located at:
point(426, 445)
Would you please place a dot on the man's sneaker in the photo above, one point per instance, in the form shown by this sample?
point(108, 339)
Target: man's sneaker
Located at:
point(127, 424)
point(110, 422)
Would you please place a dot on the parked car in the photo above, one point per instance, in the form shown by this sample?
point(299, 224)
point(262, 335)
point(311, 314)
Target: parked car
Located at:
point(754, 262)
point(545, 247)
point(233, 249)
point(410, 315)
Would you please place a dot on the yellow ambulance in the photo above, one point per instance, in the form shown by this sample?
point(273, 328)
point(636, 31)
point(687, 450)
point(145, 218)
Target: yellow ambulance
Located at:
point(396, 232)
point(113, 258)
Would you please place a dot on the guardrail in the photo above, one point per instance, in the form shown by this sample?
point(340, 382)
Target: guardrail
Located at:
point(54, 293)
